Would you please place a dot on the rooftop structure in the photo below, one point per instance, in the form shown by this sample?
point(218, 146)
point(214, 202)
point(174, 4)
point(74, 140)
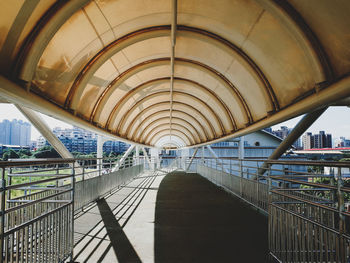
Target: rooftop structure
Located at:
point(175, 73)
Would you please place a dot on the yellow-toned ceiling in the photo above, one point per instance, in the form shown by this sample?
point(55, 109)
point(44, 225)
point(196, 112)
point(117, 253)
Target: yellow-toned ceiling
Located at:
point(179, 73)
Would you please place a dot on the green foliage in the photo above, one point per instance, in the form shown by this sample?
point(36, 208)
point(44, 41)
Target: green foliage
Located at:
point(9, 154)
point(24, 154)
point(46, 152)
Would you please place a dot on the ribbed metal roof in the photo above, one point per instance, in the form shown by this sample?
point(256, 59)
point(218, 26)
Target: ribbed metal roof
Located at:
point(177, 73)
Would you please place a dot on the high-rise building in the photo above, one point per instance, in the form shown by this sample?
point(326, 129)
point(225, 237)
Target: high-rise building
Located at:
point(308, 142)
point(79, 140)
point(342, 142)
point(320, 140)
point(15, 132)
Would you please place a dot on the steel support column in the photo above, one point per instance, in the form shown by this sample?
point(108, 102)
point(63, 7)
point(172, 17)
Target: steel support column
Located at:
point(192, 157)
point(217, 158)
point(45, 131)
point(298, 130)
point(122, 160)
point(146, 156)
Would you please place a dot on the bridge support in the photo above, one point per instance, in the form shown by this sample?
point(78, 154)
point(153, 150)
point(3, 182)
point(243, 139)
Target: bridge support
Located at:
point(191, 160)
point(298, 130)
point(45, 131)
point(122, 160)
point(217, 159)
point(146, 156)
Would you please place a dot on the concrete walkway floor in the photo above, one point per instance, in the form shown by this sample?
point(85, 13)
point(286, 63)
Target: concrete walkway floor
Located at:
point(177, 217)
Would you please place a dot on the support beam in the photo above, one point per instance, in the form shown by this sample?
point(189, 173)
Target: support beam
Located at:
point(192, 157)
point(217, 158)
point(45, 131)
point(122, 160)
point(146, 156)
point(298, 130)
point(100, 141)
point(137, 154)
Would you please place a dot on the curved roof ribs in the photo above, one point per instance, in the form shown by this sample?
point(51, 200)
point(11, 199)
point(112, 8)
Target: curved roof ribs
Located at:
point(151, 32)
point(138, 130)
point(164, 61)
point(166, 132)
point(133, 91)
point(155, 94)
point(189, 107)
point(163, 125)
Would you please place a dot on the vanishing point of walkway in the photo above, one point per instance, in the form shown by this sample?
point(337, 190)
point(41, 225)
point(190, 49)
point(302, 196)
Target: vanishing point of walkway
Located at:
point(175, 217)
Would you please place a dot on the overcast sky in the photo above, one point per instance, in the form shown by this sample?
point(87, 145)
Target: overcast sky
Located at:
point(336, 120)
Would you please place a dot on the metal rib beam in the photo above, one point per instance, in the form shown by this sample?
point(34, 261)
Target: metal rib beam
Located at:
point(160, 122)
point(166, 132)
point(137, 103)
point(133, 91)
point(166, 127)
point(189, 107)
point(172, 56)
point(146, 119)
point(147, 33)
point(163, 61)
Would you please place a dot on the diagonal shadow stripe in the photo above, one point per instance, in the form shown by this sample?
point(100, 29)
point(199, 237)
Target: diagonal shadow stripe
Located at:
point(122, 247)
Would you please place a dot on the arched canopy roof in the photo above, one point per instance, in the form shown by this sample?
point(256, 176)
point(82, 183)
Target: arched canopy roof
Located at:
point(179, 73)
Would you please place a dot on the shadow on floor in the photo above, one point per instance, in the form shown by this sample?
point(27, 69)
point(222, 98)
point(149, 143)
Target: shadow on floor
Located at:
point(120, 243)
point(195, 221)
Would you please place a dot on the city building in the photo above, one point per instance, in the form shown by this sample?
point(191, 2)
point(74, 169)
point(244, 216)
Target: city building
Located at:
point(15, 132)
point(79, 140)
point(317, 141)
point(342, 142)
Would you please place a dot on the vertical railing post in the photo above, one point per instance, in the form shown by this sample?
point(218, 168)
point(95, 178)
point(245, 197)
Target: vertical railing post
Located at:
point(241, 177)
point(269, 209)
point(2, 209)
point(341, 210)
point(72, 212)
point(257, 183)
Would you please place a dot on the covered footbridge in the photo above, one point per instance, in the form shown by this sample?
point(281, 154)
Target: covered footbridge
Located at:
point(175, 74)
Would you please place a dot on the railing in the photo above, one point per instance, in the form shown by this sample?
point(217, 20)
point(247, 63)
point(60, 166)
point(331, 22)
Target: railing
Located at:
point(39, 200)
point(308, 221)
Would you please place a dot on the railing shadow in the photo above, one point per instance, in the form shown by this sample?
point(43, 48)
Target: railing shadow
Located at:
point(195, 221)
point(120, 243)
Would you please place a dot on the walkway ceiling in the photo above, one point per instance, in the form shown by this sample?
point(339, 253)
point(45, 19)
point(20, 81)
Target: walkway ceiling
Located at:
point(176, 73)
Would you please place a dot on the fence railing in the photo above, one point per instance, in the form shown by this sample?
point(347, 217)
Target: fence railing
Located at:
point(39, 199)
point(307, 207)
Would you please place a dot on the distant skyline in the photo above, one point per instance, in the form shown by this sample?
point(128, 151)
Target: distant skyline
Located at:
point(336, 120)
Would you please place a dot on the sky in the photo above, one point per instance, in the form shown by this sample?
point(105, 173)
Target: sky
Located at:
point(336, 120)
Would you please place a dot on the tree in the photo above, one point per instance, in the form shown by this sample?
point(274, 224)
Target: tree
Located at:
point(9, 154)
point(24, 153)
point(46, 152)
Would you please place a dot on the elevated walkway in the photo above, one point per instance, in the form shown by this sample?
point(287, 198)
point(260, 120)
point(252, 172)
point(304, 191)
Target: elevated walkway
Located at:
point(170, 217)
